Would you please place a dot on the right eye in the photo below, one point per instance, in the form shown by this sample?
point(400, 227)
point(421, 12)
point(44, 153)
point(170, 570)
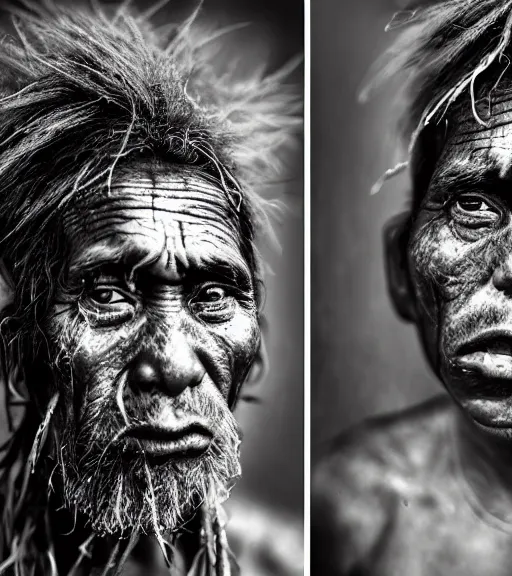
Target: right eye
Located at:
point(106, 305)
point(474, 211)
point(107, 296)
point(473, 204)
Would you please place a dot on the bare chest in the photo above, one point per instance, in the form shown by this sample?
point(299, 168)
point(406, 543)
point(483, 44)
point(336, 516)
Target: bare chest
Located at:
point(439, 532)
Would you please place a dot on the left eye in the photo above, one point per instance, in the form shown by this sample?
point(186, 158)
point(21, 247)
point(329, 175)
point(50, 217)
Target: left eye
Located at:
point(214, 304)
point(212, 294)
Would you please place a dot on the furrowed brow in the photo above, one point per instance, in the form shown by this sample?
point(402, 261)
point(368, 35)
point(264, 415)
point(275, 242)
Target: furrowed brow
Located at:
point(110, 257)
point(478, 178)
point(236, 273)
point(126, 260)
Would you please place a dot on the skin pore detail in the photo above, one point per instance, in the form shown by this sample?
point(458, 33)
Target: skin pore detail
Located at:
point(155, 327)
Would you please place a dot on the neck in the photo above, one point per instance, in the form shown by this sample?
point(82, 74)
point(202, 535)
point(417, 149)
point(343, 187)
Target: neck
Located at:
point(486, 462)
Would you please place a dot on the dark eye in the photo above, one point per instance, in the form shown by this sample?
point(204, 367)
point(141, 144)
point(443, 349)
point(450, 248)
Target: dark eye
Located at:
point(214, 303)
point(475, 212)
point(105, 306)
point(473, 204)
point(212, 294)
point(107, 296)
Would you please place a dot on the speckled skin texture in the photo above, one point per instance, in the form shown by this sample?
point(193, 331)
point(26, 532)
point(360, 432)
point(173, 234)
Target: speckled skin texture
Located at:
point(427, 491)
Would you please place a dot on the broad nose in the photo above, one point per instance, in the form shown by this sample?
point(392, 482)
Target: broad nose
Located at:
point(169, 371)
point(502, 276)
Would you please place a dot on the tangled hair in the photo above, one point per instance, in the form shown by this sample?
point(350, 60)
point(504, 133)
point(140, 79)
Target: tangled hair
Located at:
point(82, 94)
point(447, 50)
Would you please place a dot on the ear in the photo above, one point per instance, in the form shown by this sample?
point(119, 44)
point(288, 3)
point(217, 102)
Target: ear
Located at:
point(396, 238)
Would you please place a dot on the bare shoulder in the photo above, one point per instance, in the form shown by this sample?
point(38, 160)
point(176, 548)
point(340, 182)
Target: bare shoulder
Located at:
point(360, 480)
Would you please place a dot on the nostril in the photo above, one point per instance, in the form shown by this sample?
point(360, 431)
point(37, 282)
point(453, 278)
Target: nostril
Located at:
point(144, 375)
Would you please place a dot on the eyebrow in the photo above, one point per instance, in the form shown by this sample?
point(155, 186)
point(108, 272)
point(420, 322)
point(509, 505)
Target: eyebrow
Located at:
point(116, 260)
point(479, 177)
point(103, 255)
point(231, 271)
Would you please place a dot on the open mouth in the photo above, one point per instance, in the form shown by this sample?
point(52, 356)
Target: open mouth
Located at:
point(490, 354)
point(189, 439)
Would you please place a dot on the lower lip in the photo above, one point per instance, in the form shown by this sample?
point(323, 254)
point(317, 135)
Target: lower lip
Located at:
point(489, 364)
point(188, 444)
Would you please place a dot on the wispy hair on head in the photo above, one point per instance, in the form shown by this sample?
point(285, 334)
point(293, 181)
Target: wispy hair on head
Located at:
point(82, 93)
point(446, 50)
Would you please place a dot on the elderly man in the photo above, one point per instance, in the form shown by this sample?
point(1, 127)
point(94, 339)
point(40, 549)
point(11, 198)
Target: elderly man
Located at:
point(429, 491)
point(130, 289)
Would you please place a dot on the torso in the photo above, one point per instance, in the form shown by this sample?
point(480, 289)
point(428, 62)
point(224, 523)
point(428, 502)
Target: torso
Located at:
point(395, 502)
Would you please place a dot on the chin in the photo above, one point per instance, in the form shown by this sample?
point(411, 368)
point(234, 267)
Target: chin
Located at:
point(120, 491)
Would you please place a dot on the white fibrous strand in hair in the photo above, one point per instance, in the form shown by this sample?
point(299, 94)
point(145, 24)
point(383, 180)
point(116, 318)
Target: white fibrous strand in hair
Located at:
point(443, 51)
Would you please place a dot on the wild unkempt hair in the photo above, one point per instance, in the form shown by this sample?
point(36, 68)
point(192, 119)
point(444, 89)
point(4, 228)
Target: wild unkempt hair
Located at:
point(448, 51)
point(83, 94)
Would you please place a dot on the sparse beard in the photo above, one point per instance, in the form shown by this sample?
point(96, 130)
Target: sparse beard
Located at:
point(120, 491)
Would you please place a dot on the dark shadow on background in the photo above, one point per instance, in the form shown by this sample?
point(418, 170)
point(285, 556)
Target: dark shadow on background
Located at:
point(364, 360)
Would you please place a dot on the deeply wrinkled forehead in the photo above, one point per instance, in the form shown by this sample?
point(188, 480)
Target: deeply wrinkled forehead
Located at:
point(177, 215)
point(478, 136)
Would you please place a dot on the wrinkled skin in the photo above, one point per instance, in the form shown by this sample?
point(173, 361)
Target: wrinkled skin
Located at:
point(460, 257)
point(427, 491)
point(155, 326)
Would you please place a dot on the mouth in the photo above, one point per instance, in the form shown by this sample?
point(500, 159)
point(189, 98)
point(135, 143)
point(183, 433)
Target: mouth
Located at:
point(190, 438)
point(489, 353)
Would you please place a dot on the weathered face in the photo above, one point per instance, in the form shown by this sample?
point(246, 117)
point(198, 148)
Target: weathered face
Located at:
point(157, 326)
point(460, 257)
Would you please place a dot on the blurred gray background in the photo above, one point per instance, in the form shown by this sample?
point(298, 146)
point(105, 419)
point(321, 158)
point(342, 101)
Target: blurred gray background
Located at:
point(273, 447)
point(365, 361)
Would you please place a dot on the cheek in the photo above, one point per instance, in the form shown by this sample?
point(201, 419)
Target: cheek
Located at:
point(434, 262)
point(99, 356)
point(442, 264)
point(96, 355)
point(239, 340)
point(450, 276)
point(242, 336)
